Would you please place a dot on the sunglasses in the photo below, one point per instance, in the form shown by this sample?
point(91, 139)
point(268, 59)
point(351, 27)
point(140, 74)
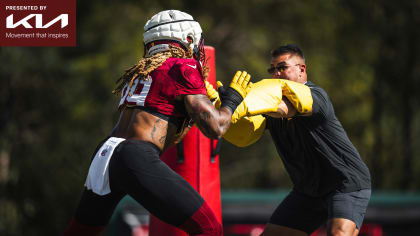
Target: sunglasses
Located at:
point(280, 68)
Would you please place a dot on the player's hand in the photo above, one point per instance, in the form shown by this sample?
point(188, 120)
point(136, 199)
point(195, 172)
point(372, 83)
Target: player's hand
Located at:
point(232, 96)
point(240, 83)
point(212, 94)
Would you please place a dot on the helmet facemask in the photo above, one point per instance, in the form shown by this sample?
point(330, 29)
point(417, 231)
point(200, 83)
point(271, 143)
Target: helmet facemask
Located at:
point(199, 52)
point(200, 55)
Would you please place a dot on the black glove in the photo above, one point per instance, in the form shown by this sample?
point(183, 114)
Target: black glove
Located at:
point(230, 98)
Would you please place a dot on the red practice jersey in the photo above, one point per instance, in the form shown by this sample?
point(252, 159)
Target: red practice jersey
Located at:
point(175, 77)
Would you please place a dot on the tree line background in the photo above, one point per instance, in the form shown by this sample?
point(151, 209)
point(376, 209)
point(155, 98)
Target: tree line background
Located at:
point(56, 102)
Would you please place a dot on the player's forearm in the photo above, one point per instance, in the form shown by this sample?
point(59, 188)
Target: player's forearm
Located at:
point(219, 122)
point(213, 123)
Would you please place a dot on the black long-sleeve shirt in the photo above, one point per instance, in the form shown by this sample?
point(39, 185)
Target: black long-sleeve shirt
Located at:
point(316, 152)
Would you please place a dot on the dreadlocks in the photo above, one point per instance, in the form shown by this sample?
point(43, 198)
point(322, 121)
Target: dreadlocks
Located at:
point(147, 64)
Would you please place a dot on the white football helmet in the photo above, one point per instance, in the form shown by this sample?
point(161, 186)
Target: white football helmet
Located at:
point(173, 25)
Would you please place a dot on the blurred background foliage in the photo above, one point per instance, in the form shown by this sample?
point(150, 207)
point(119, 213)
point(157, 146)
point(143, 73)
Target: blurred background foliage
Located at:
point(57, 103)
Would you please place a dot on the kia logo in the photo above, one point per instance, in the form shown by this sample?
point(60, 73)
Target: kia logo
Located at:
point(64, 18)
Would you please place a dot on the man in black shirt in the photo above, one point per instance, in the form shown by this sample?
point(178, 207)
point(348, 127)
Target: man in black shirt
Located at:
point(331, 181)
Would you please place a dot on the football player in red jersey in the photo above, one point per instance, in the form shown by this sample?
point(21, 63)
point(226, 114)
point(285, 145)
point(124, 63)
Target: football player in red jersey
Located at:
point(161, 97)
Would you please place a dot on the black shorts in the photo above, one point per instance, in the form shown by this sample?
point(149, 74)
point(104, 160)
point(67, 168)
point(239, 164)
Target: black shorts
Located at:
point(136, 169)
point(305, 213)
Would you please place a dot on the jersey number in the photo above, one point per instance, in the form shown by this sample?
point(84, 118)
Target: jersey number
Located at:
point(139, 92)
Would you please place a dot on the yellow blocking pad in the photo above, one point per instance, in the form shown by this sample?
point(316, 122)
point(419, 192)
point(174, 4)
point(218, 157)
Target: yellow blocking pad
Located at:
point(299, 95)
point(246, 131)
point(264, 97)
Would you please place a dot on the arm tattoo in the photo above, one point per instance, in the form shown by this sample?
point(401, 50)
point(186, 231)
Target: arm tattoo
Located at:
point(203, 119)
point(204, 116)
point(158, 124)
point(205, 126)
point(154, 129)
point(162, 139)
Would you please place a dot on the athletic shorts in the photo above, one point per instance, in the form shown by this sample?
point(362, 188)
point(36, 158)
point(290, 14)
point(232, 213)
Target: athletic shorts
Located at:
point(136, 169)
point(306, 213)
